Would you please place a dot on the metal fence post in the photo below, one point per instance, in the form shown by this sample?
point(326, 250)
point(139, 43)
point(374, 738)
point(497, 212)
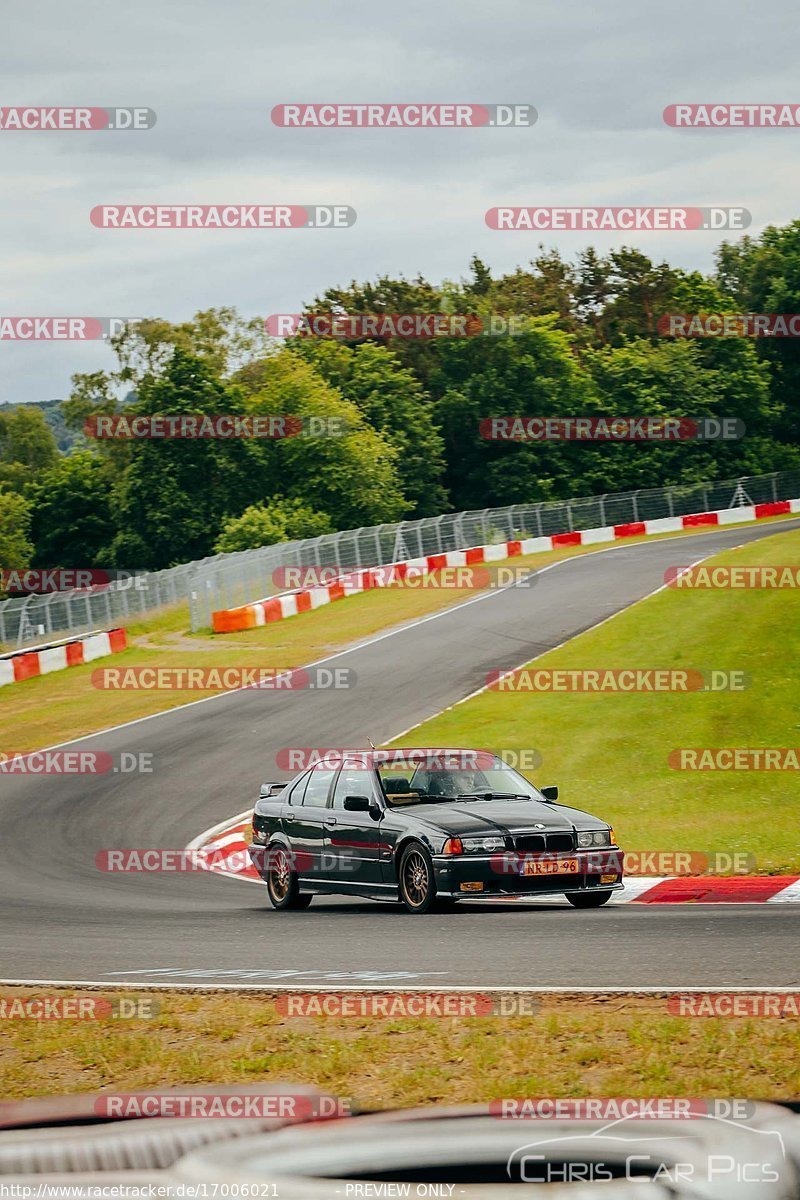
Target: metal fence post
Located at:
point(439, 544)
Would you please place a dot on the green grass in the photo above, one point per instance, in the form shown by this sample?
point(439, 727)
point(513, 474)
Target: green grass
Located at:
point(592, 1045)
point(608, 752)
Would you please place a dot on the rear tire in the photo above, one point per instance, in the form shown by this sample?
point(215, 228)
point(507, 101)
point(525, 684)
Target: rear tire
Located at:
point(589, 899)
point(283, 886)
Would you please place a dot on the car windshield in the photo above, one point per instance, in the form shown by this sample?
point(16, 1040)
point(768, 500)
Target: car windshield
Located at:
point(415, 777)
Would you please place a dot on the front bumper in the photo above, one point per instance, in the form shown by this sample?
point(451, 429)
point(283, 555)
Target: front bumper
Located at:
point(504, 874)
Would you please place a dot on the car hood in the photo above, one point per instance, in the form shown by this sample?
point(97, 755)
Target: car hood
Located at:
point(500, 816)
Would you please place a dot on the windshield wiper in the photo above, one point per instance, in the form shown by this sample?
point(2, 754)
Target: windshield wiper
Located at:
point(492, 796)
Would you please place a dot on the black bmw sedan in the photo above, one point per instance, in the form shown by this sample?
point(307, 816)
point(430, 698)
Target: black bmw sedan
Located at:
point(427, 828)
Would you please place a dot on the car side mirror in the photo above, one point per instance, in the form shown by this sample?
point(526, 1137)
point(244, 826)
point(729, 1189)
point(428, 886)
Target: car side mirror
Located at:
point(357, 803)
point(550, 793)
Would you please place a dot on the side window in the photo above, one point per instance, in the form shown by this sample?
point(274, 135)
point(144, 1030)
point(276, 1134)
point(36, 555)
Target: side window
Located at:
point(352, 783)
point(317, 788)
point(295, 793)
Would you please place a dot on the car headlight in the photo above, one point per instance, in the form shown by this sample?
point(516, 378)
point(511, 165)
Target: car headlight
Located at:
point(594, 837)
point(473, 845)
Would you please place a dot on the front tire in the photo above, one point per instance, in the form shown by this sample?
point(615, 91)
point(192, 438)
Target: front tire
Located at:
point(283, 886)
point(589, 899)
point(415, 879)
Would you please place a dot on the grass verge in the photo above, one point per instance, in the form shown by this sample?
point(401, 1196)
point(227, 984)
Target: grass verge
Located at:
point(592, 1045)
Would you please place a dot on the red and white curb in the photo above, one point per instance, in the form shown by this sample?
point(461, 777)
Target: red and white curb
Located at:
point(289, 604)
point(225, 849)
point(26, 664)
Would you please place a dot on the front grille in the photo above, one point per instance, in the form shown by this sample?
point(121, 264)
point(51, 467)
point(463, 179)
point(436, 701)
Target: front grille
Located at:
point(532, 843)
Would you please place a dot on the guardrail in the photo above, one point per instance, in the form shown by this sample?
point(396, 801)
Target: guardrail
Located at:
point(229, 580)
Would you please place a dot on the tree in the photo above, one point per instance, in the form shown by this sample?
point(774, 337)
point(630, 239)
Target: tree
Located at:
point(533, 374)
point(73, 524)
point(682, 379)
point(218, 337)
point(175, 493)
point(281, 521)
point(394, 403)
point(593, 290)
point(347, 470)
point(639, 292)
point(16, 548)
point(27, 446)
point(763, 274)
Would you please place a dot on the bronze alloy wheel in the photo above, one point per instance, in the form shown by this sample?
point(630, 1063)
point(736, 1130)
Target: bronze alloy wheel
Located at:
point(283, 886)
point(417, 887)
point(280, 877)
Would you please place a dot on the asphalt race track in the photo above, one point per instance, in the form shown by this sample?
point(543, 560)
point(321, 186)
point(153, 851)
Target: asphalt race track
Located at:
point(63, 920)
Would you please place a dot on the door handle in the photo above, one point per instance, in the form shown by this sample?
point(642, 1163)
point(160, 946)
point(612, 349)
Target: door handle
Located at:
point(330, 822)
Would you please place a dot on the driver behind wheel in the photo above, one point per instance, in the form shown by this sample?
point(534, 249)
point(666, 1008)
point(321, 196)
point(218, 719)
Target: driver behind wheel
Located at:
point(452, 783)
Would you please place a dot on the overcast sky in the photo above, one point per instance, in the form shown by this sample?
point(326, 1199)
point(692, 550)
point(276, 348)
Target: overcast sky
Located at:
point(599, 75)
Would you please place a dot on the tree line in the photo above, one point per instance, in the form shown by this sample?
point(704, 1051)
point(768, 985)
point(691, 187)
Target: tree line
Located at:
point(587, 344)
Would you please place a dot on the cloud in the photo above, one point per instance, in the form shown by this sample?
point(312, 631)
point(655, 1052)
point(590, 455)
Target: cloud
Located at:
point(599, 76)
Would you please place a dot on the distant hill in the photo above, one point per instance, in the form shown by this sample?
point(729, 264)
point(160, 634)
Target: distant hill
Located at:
point(65, 438)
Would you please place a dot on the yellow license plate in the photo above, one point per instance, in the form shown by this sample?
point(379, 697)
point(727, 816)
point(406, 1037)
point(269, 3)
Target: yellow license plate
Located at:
point(556, 866)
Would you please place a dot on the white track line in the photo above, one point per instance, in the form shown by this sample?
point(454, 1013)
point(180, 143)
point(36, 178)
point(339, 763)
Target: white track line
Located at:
point(666, 989)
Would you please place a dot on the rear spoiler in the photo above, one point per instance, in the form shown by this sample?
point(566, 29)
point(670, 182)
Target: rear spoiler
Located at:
point(273, 789)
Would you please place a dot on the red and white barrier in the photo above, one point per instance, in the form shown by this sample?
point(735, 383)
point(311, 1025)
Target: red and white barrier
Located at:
point(26, 664)
point(288, 604)
point(225, 848)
